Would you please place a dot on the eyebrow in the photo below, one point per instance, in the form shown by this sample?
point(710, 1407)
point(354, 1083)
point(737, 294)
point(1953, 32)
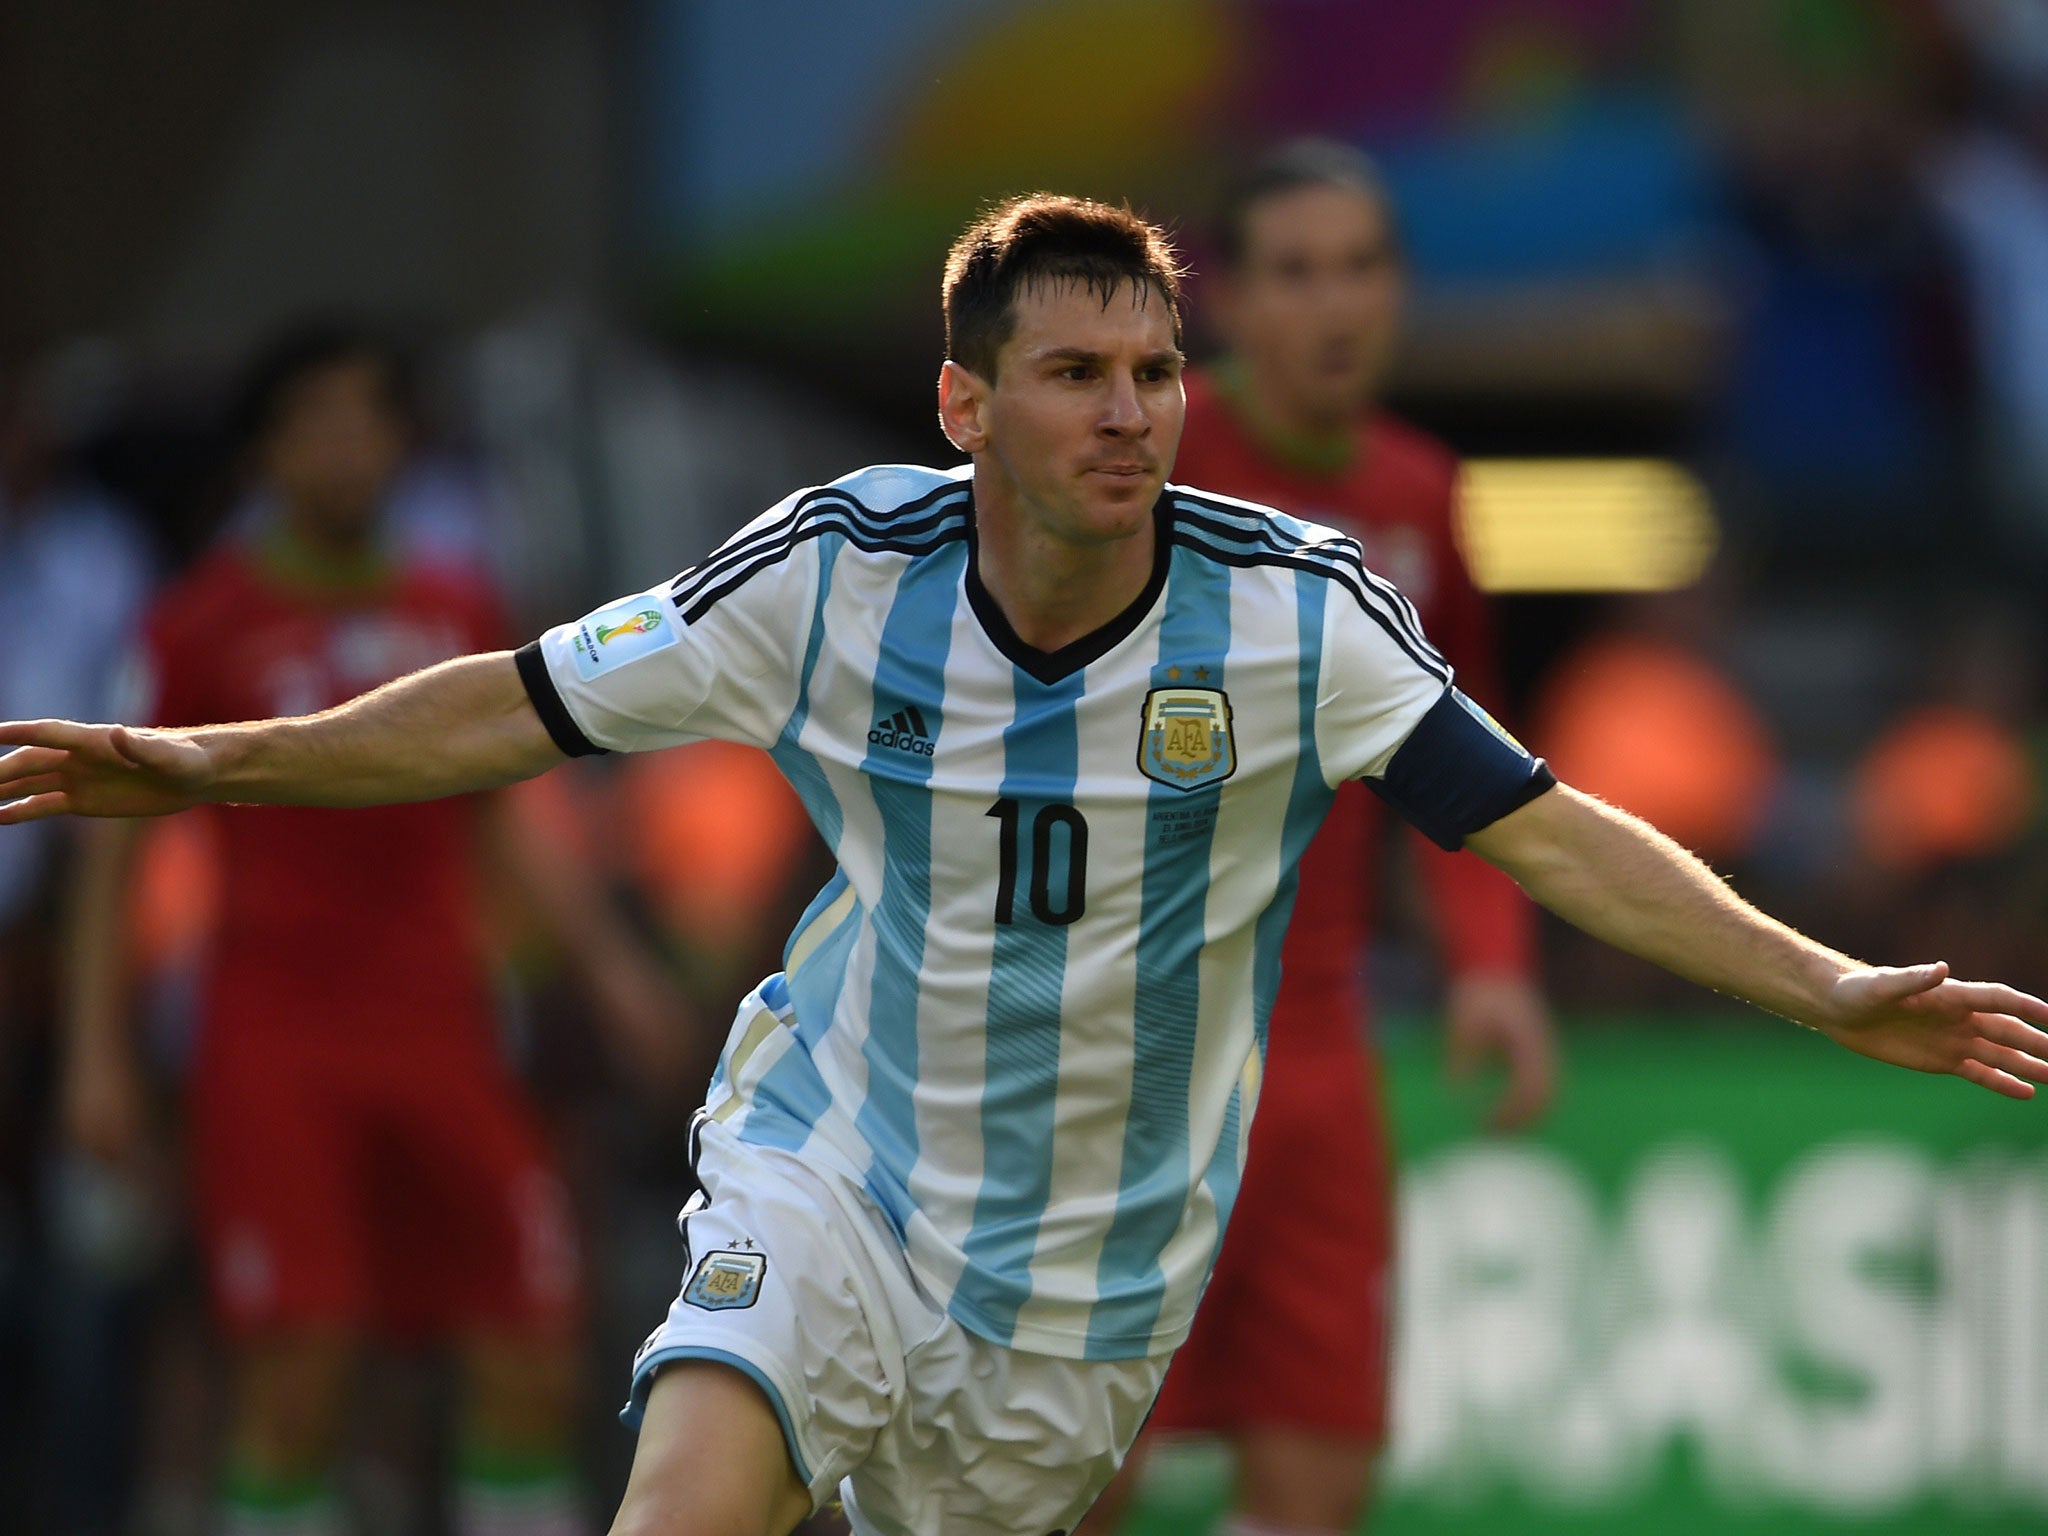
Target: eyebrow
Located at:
point(1084, 355)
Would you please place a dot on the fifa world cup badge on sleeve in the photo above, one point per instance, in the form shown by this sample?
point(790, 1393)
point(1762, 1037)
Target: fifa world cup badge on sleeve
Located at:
point(725, 1280)
point(621, 633)
point(1186, 740)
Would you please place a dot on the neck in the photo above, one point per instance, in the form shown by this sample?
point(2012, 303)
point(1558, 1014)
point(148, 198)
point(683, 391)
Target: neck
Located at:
point(307, 555)
point(1290, 431)
point(1054, 591)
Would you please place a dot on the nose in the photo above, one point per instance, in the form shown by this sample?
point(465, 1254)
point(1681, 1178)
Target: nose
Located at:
point(1123, 413)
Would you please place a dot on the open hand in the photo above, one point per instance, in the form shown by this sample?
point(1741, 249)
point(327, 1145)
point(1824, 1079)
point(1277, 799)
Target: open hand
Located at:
point(1503, 1018)
point(59, 767)
point(1915, 1016)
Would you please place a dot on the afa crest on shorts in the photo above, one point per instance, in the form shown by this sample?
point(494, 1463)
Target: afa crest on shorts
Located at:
point(725, 1280)
point(1186, 740)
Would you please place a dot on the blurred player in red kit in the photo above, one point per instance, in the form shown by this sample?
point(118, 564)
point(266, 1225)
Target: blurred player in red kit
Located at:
point(364, 1165)
point(1288, 1358)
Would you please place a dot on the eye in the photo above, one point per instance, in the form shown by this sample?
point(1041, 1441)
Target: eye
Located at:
point(1075, 371)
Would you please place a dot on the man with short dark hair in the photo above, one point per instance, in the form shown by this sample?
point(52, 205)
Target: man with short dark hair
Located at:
point(969, 1156)
point(364, 1165)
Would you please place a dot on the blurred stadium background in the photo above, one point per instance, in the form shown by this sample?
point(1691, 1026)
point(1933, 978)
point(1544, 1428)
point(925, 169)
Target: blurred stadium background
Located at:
point(1740, 310)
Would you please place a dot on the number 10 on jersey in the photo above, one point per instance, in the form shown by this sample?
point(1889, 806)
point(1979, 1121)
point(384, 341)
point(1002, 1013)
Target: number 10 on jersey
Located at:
point(1049, 820)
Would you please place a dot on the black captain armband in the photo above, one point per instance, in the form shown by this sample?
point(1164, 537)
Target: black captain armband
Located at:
point(547, 703)
point(1459, 771)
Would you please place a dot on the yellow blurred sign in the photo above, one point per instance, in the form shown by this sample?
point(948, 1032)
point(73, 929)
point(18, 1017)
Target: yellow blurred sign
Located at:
point(1586, 525)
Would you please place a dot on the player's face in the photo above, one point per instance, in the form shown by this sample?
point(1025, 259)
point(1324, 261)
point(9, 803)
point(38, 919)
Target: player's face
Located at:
point(1313, 308)
point(1081, 423)
point(335, 448)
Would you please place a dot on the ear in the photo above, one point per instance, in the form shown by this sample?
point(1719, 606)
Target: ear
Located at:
point(963, 399)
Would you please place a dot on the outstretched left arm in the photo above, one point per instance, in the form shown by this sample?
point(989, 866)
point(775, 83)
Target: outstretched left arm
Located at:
point(465, 725)
point(1623, 881)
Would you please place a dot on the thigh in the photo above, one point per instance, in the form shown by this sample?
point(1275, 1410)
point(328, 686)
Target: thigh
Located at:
point(990, 1441)
point(710, 1459)
point(1293, 1332)
point(284, 1219)
point(1323, 1367)
point(777, 1288)
point(476, 1233)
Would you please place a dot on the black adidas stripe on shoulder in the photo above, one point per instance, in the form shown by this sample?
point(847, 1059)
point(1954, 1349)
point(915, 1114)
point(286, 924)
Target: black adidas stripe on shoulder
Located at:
point(825, 510)
point(703, 598)
point(900, 521)
point(1249, 520)
point(1263, 543)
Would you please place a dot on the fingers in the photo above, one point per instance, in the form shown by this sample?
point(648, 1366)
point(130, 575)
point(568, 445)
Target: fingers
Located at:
point(1522, 1103)
point(2013, 1063)
point(1532, 1079)
point(1998, 1082)
point(2012, 1033)
point(68, 735)
point(25, 762)
point(35, 808)
point(1993, 997)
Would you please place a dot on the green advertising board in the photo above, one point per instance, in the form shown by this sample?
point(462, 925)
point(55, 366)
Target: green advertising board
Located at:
point(1741, 1281)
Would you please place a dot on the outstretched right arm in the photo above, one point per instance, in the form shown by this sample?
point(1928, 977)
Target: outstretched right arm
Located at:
point(464, 725)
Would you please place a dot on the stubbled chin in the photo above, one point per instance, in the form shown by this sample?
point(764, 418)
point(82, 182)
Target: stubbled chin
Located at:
point(1126, 504)
point(1123, 520)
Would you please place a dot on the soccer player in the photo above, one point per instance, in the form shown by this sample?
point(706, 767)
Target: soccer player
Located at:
point(968, 1157)
point(1288, 1356)
point(364, 1164)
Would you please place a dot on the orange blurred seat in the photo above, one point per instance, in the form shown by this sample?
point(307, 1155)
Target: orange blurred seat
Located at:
point(1945, 782)
point(714, 833)
point(1657, 729)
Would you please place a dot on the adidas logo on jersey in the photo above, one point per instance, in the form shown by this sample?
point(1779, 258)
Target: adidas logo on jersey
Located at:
point(905, 730)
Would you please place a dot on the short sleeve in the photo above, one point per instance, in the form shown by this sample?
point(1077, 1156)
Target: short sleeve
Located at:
point(1389, 713)
point(715, 654)
point(1378, 676)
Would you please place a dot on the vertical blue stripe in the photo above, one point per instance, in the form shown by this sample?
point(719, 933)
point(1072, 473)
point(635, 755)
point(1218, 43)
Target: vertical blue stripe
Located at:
point(789, 1100)
point(1153, 1184)
point(911, 669)
point(1027, 974)
point(791, 1096)
point(815, 988)
point(797, 765)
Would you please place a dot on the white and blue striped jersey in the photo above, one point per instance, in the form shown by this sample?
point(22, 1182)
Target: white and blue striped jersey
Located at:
point(1028, 1012)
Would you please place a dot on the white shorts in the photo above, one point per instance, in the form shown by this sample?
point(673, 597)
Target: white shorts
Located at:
point(796, 1279)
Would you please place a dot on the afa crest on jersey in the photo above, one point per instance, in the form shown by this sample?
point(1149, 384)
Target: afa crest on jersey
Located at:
point(726, 1280)
point(1186, 741)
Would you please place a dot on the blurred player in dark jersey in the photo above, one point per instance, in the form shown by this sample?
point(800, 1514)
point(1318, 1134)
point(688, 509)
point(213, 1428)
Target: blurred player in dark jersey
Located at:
point(1288, 1358)
point(364, 1165)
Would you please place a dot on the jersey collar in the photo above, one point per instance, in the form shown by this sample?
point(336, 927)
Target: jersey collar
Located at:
point(1052, 666)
